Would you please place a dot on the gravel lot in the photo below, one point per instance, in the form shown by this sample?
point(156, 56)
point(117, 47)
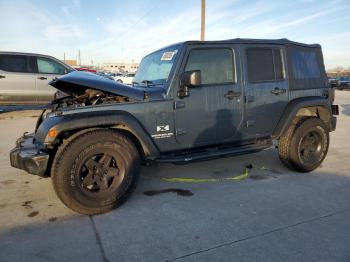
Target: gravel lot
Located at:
point(272, 215)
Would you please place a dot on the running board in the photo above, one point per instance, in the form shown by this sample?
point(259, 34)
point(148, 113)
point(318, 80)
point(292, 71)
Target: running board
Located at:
point(214, 153)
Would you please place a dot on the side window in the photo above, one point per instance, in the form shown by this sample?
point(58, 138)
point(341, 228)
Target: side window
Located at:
point(14, 63)
point(216, 65)
point(277, 59)
point(305, 64)
point(264, 64)
point(48, 66)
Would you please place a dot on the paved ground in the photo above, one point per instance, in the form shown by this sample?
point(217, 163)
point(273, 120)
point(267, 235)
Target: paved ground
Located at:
point(273, 215)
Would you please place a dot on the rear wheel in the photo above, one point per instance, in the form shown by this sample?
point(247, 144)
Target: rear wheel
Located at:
point(305, 144)
point(96, 171)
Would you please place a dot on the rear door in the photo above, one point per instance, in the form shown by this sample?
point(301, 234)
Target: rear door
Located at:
point(47, 70)
point(212, 113)
point(266, 87)
point(17, 81)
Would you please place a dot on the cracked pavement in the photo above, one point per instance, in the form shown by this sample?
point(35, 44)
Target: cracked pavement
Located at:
point(271, 215)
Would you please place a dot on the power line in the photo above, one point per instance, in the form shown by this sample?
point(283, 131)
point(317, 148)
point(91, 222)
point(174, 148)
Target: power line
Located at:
point(142, 17)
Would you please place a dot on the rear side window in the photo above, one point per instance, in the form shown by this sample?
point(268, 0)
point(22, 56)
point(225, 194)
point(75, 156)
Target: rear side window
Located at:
point(305, 64)
point(216, 65)
point(48, 66)
point(264, 64)
point(277, 59)
point(14, 63)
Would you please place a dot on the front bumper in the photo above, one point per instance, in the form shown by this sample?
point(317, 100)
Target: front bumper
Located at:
point(27, 156)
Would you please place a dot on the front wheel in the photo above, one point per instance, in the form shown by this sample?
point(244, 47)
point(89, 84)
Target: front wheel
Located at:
point(96, 171)
point(305, 144)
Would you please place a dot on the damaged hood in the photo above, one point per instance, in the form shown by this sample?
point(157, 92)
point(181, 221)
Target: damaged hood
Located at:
point(76, 83)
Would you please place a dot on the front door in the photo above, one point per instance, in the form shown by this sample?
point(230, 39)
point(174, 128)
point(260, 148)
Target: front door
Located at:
point(212, 113)
point(47, 70)
point(266, 86)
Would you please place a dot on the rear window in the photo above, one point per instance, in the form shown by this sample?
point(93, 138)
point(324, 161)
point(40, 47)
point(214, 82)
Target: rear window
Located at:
point(14, 63)
point(305, 64)
point(264, 64)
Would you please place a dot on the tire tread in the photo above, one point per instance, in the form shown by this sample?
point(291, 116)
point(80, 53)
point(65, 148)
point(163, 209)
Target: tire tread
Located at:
point(59, 161)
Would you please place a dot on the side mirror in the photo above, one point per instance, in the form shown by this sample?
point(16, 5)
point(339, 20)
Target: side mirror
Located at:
point(191, 78)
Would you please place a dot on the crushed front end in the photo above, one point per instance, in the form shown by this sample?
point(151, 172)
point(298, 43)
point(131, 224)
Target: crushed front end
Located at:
point(27, 155)
point(34, 152)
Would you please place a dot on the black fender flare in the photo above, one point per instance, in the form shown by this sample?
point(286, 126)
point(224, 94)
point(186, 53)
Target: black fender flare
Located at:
point(292, 109)
point(87, 120)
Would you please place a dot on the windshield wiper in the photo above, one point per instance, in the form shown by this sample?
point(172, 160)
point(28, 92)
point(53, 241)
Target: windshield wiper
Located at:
point(134, 83)
point(147, 82)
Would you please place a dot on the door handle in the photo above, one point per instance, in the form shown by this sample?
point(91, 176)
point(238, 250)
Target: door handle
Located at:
point(2, 76)
point(276, 91)
point(232, 94)
point(42, 78)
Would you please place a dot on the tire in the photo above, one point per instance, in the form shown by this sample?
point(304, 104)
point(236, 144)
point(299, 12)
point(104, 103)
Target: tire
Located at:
point(120, 81)
point(305, 144)
point(96, 171)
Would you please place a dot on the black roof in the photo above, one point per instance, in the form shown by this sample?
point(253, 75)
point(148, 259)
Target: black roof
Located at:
point(282, 41)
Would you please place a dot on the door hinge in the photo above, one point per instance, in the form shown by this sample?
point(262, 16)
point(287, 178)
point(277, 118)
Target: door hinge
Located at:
point(179, 104)
point(250, 123)
point(249, 99)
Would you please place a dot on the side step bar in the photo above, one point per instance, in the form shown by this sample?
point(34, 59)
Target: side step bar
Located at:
point(210, 153)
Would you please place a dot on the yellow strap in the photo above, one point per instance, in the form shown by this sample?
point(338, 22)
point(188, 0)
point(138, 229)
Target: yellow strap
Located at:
point(201, 180)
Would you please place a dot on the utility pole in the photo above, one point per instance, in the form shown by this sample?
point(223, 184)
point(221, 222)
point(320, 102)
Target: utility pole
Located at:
point(79, 58)
point(203, 21)
point(64, 57)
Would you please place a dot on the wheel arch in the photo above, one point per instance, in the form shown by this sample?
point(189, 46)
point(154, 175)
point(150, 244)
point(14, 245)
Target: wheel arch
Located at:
point(76, 124)
point(304, 107)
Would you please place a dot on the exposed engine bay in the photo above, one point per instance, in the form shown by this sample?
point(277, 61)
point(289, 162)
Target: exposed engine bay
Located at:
point(81, 89)
point(89, 98)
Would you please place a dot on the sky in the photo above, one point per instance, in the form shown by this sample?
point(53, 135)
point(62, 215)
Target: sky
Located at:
point(125, 31)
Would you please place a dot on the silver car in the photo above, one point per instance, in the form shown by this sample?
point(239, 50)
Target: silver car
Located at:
point(24, 77)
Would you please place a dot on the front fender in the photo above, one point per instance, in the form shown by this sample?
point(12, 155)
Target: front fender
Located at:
point(79, 121)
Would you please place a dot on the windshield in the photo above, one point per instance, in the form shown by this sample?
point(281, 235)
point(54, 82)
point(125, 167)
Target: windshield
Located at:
point(155, 68)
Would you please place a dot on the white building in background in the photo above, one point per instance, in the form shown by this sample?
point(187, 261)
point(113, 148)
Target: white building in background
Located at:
point(120, 67)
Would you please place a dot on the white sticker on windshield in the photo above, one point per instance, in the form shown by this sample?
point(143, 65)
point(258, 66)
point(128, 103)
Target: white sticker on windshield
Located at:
point(168, 56)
